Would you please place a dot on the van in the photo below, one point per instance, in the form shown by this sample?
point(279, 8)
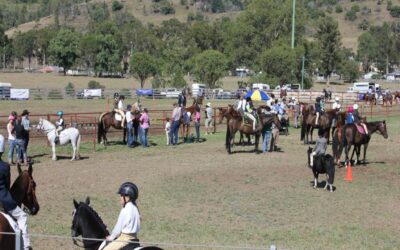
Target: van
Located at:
point(362, 87)
point(198, 88)
point(5, 91)
point(260, 86)
point(242, 71)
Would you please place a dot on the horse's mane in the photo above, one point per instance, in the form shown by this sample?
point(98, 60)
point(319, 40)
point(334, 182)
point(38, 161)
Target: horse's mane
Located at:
point(48, 122)
point(96, 216)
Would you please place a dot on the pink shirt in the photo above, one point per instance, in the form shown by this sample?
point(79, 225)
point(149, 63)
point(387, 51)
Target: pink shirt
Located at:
point(197, 116)
point(144, 121)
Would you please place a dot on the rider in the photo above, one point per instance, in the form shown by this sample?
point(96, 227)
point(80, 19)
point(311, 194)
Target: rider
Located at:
point(249, 112)
point(128, 224)
point(119, 108)
point(337, 107)
point(241, 104)
point(358, 118)
point(318, 109)
point(60, 125)
point(182, 99)
point(320, 146)
point(9, 204)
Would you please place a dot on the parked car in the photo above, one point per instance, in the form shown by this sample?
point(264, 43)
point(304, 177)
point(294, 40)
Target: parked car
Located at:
point(225, 95)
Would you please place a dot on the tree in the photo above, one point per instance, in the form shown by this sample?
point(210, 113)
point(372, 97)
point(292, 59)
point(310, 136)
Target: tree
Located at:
point(25, 45)
point(367, 50)
point(63, 48)
point(43, 38)
point(328, 37)
point(209, 66)
point(142, 66)
point(108, 57)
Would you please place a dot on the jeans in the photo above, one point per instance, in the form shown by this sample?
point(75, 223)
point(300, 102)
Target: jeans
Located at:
point(130, 133)
point(11, 148)
point(266, 138)
point(20, 149)
point(143, 136)
point(175, 132)
point(26, 140)
point(135, 134)
point(197, 126)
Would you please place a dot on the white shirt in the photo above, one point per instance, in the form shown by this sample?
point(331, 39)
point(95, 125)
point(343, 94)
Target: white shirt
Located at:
point(336, 105)
point(1, 143)
point(242, 105)
point(128, 116)
point(128, 221)
point(120, 105)
point(10, 135)
point(167, 127)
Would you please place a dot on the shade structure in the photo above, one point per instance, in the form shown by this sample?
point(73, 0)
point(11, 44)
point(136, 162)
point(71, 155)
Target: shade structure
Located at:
point(257, 95)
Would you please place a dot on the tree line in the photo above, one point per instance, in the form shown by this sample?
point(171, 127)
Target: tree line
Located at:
point(259, 39)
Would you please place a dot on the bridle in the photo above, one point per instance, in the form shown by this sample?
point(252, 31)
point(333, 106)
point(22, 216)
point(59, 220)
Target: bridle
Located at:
point(75, 238)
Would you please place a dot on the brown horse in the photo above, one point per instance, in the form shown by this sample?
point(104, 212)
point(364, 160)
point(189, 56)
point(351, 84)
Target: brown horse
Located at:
point(236, 124)
point(387, 99)
point(370, 100)
point(223, 113)
point(107, 120)
point(308, 124)
point(351, 136)
point(396, 96)
point(23, 192)
point(283, 93)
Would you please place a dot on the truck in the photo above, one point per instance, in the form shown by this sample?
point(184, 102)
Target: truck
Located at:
point(362, 87)
point(198, 88)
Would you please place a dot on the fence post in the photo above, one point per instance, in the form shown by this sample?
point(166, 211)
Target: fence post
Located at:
point(18, 239)
point(95, 134)
point(214, 120)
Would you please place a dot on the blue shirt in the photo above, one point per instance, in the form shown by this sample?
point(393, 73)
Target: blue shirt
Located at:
point(5, 195)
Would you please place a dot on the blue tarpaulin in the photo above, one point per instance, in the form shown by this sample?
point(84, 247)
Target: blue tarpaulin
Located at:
point(148, 92)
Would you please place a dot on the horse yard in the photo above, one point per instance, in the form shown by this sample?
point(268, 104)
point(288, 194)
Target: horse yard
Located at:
point(199, 197)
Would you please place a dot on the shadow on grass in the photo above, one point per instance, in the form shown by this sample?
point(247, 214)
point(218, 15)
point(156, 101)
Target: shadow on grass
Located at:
point(321, 185)
point(63, 157)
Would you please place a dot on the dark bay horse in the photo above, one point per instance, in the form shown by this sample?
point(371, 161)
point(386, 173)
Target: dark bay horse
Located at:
point(396, 96)
point(87, 223)
point(107, 120)
point(236, 124)
point(322, 165)
point(351, 136)
point(387, 99)
point(308, 124)
point(370, 100)
point(23, 192)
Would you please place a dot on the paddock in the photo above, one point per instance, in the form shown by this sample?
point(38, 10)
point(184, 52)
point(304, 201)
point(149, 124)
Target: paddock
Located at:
point(199, 197)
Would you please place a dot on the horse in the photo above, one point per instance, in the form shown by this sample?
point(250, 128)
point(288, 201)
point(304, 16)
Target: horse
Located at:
point(308, 124)
point(387, 99)
point(283, 93)
point(322, 165)
point(67, 135)
point(236, 124)
point(223, 113)
point(327, 94)
point(23, 192)
point(370, 100)
point(351, 136)
point(396, 96)
point(108, 120)
point(87, 223)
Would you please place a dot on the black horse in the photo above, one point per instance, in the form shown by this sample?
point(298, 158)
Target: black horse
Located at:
point(88, 224)
point(322, 165)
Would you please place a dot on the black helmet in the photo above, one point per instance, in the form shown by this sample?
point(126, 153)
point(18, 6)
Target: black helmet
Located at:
point(318, 99)
point(129, 189)
point(248, 99)
point(116, 95)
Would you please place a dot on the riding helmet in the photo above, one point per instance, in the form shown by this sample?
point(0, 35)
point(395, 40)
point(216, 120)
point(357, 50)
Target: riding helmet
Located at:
point(116, 95)
point(355, 106)
point(318, 99)
point(129, 189)
point(60, 113)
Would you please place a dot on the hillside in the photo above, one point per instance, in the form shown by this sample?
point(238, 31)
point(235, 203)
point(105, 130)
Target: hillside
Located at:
point(370, 12)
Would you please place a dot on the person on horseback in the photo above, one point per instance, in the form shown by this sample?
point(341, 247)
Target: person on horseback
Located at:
point(318, 109)
point(369, 93)
point(128, 223)
point(320, 146)
point(119, 108)
point(337, 107)
point(60, 125)
point(10, 206)
point(182, 99)
point(358, 119)
point(249, 112)
point(241, 104)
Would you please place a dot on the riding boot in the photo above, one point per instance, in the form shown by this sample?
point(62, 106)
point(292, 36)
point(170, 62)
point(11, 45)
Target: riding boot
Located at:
point(57, 140)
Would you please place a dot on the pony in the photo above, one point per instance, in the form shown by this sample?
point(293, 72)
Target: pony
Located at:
point(23, 192)
point(308, 124)
point(87, 223)
point(322, 165)
point(351, 136)
point(237, 124)
point(67, 135)
point(387, 99)
point(107, 120)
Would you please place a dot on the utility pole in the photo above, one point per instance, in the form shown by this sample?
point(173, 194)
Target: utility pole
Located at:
point(302, 72)
point(293, 21)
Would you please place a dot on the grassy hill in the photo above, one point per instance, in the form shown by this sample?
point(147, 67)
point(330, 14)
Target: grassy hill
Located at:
point(372, 12)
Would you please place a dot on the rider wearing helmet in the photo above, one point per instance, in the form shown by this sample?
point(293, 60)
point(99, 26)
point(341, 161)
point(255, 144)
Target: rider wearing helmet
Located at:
point(60, 125)
point(249, 112)
point(119, 107)
point(336, 106)
point(128, 224)
point(358, 118)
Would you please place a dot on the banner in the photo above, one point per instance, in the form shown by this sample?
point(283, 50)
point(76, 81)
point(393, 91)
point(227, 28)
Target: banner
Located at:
point(19, 94)
point(148, 92)
point(92, 92)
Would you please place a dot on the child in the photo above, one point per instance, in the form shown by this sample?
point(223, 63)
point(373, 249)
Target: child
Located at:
point(167, 129)
point(59, 126)
point(197, 117)
point(320, 146)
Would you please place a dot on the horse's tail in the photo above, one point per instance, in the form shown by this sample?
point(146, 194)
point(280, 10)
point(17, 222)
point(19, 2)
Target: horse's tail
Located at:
point(78, 144)
point(303, 131)
point(330, 168)
point(100, 130)
point(335, 144)
point(228, 137)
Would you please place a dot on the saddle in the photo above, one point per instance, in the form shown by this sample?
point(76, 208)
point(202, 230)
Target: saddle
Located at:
point(118, 117)
point(360, 128)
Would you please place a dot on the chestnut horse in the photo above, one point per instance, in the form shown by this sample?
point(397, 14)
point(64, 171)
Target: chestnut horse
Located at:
point(87, 223)
point(23, 192)
point(370, 100)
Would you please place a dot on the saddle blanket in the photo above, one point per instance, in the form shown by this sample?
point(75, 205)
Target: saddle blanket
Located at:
point(11, 221)
point(118, 117)
point(360, 129)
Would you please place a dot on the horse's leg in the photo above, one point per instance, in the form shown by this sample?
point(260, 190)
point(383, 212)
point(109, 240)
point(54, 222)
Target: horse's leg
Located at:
point(53, 147)
point(311, 132)
point(326, 182)
point(73, 150)
point(365, 152)
point(315, 179)
point(257, 139)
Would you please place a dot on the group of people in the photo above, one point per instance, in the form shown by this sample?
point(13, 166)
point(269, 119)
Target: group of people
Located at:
point(18, 128)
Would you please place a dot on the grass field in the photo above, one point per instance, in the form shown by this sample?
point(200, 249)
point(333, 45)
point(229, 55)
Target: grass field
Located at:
point(198, 194)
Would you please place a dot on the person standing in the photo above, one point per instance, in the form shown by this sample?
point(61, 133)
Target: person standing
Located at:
point(167, 129)
point(209, 118)
point(9, 204)
point(266, 137)
point(1, 146)
point(275, 137)
point(144, 127)
point(197, 117)
point(176, 115)
point(129, 123)
point(20, 135)
point(27, 127)
point(296, 112)
point(11, 138)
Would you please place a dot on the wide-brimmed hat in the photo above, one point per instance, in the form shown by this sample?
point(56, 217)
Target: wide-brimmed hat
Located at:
point(208, 104)
point(11, 117)
point(25, 112)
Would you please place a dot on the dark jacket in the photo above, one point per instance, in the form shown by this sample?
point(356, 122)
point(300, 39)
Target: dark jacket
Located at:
point(182, 100)
point(20, 132)
point(317, 107)
point(5, 196)
point(357, 117)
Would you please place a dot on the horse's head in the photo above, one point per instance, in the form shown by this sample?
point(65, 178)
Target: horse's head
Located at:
point(382, 129)
point(40, 125)
point(24, 190)
point(85, 220)
point(221, 114)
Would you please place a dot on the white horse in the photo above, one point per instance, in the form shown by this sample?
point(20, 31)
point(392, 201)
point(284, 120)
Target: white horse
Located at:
point(67, 135)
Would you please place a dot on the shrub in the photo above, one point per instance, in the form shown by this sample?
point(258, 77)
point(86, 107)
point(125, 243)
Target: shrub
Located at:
point(167, 8)
point(55, 94)
point(364, 25)
point(70, 89)
point(351, 15)
point(365, 11)
point(184, 2)
point(116, 6)
point(95, 85)
point(355, 8)
point(329, 10)
point(338, 9)
point(389, 5)
point(126, 93)
point(395, 11)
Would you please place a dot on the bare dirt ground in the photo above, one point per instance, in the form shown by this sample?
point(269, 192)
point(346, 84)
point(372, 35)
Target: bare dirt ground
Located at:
point(198, 194)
